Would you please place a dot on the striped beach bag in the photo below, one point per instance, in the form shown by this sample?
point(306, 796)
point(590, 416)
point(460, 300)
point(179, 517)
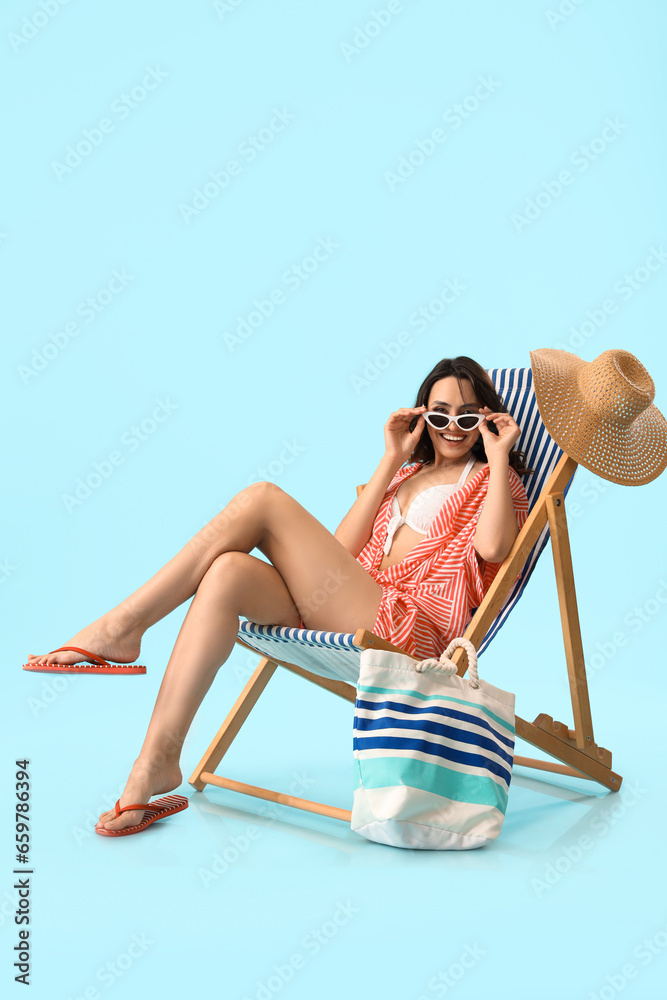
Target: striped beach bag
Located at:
point(433, 752)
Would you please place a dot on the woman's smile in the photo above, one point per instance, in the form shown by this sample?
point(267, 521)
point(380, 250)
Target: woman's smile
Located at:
point(451, 439)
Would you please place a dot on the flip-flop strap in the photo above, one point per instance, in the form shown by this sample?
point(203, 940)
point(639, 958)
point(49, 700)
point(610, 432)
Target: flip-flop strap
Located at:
point(119, 809)
point(91, 656)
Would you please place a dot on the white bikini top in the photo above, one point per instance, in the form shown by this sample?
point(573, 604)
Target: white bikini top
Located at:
point(424, 508)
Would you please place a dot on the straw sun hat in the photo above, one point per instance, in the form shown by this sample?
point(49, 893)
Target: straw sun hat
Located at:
point(601, 413)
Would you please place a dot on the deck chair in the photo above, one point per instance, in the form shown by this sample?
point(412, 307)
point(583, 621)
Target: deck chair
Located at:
point(331, 660)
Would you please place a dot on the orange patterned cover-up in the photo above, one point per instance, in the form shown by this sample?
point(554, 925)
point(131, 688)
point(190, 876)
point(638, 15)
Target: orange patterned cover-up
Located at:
point(428, 597)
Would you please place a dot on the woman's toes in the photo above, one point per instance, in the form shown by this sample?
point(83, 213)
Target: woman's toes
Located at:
point(62, 656)
point(110, 821)
point(125, 819)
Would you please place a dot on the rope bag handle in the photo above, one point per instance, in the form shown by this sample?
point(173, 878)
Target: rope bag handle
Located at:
point(446, 665)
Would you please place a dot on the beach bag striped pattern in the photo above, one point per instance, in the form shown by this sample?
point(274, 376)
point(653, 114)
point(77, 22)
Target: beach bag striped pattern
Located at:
point(433, 752)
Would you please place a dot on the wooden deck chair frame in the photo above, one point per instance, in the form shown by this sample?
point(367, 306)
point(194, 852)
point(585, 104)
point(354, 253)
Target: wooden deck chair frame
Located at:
point(574, 750)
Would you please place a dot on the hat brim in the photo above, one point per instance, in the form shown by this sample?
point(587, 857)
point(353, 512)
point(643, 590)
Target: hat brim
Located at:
point(629, 456)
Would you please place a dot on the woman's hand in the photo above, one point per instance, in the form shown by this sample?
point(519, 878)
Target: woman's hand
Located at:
point(498, 446)
point(399, 442)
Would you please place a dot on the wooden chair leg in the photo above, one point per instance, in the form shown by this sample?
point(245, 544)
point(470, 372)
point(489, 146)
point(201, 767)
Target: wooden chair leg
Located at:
point(241, 710)
point(569, 614)
point(204, 773)
point(577, 746)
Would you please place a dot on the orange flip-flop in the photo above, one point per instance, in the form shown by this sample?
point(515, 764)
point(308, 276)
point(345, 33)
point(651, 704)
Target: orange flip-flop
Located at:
point(98, 665)
point(153, 811)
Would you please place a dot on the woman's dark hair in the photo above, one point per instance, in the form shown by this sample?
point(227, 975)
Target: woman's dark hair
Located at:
point(463, 368)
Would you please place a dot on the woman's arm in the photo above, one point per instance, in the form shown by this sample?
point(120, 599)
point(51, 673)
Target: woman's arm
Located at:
point(496, 526)
point(356, 527)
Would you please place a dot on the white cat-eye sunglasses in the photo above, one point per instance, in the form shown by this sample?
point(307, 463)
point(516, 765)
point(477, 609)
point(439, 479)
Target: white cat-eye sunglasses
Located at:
point(465, 421)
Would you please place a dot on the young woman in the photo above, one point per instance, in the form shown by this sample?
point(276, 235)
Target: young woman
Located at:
point(417, 550)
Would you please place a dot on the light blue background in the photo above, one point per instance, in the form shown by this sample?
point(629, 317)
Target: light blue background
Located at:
point(558, 78)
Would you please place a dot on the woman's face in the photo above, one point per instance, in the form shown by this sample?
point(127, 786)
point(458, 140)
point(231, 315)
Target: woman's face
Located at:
point(446, 397)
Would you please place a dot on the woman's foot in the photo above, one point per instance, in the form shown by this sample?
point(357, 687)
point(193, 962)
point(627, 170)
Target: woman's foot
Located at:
point(144, 781)
point(103, 638)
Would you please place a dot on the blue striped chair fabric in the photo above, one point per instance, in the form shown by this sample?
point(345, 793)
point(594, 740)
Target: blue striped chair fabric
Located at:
point(333, 654)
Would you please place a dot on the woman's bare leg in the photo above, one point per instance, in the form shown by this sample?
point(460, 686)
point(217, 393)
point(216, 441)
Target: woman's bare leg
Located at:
point(117, 634)
point(335, 593)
